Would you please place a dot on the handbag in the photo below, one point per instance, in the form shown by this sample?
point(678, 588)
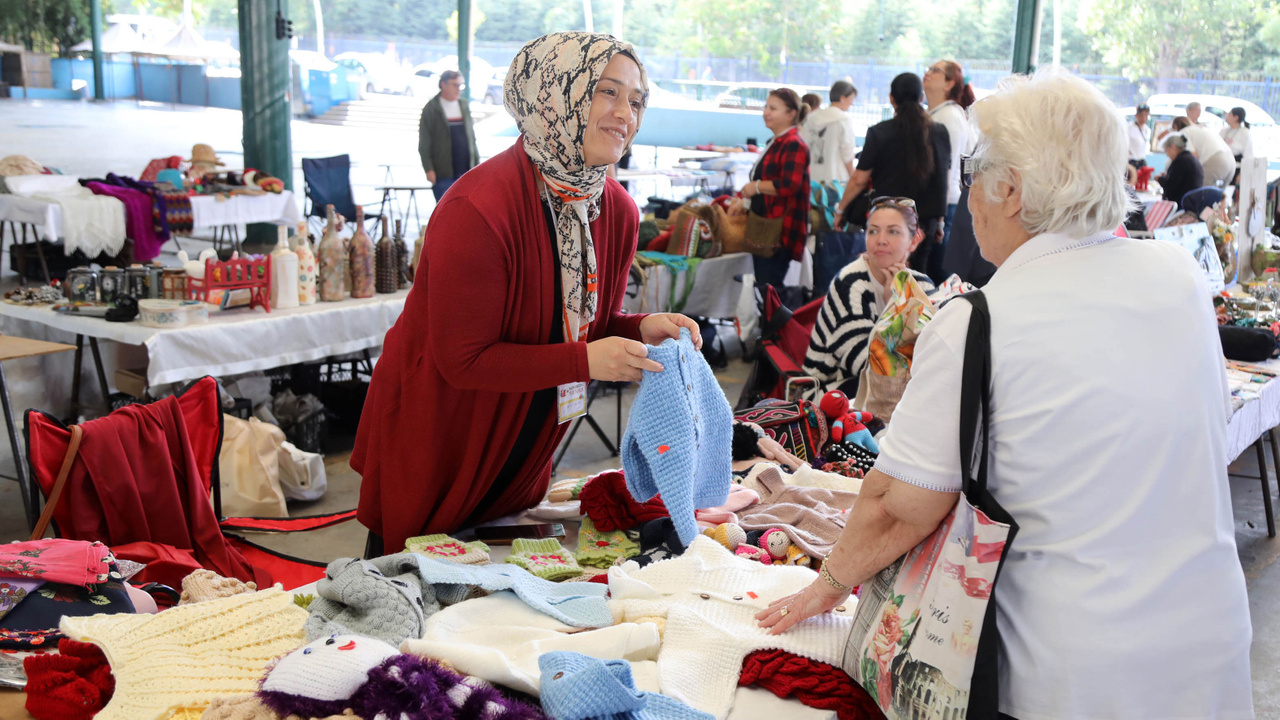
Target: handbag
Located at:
point(798, 426)
point(762, 236)
point(891, 347)
point(927, 623)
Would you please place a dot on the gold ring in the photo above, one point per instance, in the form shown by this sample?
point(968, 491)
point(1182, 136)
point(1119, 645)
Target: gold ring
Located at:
point(785, 611)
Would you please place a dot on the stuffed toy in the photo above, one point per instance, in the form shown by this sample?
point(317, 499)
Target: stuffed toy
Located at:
point(372, 679)
point(729, 535)
point(751, 552)
point(781, 549)
point(846, 425)
point(260, 179)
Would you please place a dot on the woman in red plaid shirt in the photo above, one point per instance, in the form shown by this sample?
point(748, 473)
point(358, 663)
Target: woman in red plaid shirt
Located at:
point(779, 186)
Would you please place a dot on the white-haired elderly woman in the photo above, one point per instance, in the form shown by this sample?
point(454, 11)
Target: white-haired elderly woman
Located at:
point(1122, 595)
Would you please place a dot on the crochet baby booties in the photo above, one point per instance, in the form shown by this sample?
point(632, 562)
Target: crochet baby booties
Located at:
point(545, 558)
point(372, 679)
point(603, 549)
point(443, 547)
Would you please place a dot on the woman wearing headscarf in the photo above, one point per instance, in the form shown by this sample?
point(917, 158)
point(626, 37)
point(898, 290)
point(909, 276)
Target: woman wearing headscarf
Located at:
point(516, 304)
point(908, 155)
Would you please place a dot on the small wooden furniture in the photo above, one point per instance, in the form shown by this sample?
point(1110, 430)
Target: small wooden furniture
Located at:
point(253, 275)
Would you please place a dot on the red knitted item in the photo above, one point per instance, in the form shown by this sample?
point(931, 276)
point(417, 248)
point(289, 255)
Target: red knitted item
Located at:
point(74, 684)
point(606, 500)
point(813, 683)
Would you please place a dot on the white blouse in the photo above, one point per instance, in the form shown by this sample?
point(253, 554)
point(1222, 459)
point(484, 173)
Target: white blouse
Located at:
point(1238, 138)
point(1122, 595)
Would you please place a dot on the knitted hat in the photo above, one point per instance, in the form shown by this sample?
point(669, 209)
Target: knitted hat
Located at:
point(816, 684)
point(603, 549)
point(729, 535)
point(545, 558)
point(577, 687)
point(72, 685)
point(188, 655)
point(446, 548)
point(331, 668)
point(567, 490)
point(606, 500)
point(678, 438)
point(203, 585)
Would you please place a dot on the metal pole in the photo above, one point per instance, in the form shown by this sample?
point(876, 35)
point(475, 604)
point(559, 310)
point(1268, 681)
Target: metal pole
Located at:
point(95, 28)
point(1026, 37)
point(464, 46)
point(264, 93)
point(315, 4)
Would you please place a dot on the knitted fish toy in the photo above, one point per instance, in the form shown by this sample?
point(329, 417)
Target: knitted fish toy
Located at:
point(372, 679)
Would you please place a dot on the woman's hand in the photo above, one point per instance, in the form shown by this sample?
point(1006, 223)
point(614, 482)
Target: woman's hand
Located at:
point(615, 359)
point(750, 189)
point(772, 450)
point(886, 276)
point(660, 326)
point(818, 598)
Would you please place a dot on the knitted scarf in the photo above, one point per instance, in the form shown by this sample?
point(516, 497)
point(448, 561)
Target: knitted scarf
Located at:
point(548, 90)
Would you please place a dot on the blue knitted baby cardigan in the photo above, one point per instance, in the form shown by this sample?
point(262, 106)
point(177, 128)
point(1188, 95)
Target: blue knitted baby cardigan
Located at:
point(678, 437)
point(578, 687)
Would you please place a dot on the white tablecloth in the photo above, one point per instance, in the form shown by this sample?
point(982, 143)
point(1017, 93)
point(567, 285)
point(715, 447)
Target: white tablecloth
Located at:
point(235, 341)
point(207, 211)
point(715, 292)
point(1256, 416)
point(214, 210)
point(46, 216)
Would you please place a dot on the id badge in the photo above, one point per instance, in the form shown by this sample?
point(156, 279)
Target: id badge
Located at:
point(571, 401)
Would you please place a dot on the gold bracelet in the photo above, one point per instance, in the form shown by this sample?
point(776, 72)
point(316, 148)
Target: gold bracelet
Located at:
point(826, 575)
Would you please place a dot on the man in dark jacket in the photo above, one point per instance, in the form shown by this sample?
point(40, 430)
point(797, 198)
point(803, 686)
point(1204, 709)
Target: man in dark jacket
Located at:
point(446, 140)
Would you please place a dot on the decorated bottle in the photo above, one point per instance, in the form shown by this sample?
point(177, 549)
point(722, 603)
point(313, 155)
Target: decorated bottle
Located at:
point(388, 262)
point(306, 266)
point(402, 259)
point(332, 261)
point(417, 253)
point(284, 272)
point(361, 258)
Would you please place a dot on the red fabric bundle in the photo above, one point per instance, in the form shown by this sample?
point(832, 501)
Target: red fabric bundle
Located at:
point(816, 684)
point(606, 500)
point(72, 685)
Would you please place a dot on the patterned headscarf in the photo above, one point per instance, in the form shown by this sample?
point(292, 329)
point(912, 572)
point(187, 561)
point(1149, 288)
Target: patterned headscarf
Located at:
point(548, 91)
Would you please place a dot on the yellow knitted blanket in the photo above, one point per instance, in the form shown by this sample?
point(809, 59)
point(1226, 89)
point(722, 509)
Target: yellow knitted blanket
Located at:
point(186, 656)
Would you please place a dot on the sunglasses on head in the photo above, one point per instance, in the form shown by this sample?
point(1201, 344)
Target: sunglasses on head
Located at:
point(894, 202)
point(968, 168)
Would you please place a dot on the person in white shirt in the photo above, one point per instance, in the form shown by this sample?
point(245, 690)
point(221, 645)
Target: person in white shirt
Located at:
point(949, 95)
point(1214, 153)
point(1236, 133)
point(1122, 595)
point(1139, 136)
point(831, 137)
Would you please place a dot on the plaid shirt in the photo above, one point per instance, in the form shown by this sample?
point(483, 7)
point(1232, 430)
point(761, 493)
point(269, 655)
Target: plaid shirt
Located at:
point(786, 164)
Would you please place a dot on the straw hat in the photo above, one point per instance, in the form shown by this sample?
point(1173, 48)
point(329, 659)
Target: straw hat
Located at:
point(204, 154)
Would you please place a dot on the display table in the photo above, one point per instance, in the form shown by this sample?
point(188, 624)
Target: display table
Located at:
point(1254, 420)
point(715, 291)
point(233, 341)
point(207, 211)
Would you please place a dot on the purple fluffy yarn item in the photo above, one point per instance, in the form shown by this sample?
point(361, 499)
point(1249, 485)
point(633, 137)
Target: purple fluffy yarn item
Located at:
point(409, 687)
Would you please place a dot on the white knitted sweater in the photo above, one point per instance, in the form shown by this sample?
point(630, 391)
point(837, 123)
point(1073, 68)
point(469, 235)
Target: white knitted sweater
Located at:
point(709, 597)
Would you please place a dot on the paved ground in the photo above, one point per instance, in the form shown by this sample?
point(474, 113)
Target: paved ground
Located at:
point(88, 139)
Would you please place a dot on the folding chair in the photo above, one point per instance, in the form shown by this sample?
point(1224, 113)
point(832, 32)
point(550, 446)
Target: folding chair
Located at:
point(784, 338)
point(328, 182)
point(145, 482)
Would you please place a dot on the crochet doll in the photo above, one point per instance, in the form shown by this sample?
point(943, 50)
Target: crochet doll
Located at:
point(782, 550)
point(846, 425)
point(372, 679)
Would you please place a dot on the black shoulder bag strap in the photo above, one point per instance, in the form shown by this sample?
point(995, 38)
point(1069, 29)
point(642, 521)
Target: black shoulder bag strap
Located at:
point(975, 417)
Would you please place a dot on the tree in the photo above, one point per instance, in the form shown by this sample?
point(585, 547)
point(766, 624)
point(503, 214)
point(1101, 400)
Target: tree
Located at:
point(769, 31)
point(50, 26)
point(1157, 38)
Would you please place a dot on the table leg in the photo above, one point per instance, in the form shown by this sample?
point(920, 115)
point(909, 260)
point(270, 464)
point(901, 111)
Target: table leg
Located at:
point(17, 451)
point(417, 218)
point(1275, 455)
point(1266, 488)
point(74, 413)
point(386, 195)
point(44, 266)
point(618, 419)
point(102, 374)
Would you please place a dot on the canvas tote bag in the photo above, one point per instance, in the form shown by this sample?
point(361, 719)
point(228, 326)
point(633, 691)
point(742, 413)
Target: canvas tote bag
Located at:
point(924, 640)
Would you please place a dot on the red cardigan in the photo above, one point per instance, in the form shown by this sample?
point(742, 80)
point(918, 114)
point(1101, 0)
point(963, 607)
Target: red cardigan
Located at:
point(459, 369)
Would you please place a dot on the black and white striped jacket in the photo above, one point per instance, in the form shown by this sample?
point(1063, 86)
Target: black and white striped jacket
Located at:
point(838, 347)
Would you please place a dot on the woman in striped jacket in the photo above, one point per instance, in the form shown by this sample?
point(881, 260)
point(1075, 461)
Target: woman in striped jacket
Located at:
point(838, 348)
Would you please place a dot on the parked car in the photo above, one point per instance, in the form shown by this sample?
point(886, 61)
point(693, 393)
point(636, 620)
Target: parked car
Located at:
point(752, 96)
point(480, 82)
point(381, 74)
